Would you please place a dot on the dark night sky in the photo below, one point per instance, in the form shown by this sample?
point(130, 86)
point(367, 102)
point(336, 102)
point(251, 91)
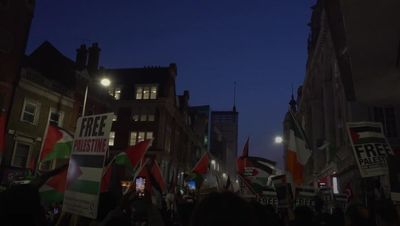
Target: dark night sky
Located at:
point(260, 44)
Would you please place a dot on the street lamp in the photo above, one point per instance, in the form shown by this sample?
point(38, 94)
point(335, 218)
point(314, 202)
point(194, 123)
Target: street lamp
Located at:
point(104, 82)
point(278, 140)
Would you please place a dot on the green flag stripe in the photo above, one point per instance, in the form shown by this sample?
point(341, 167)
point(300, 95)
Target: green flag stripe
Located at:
point(370, 140)
point(85, 186)
point(60, 151)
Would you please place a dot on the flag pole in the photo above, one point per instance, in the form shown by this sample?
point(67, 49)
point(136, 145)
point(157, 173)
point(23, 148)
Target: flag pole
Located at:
point(37, 165)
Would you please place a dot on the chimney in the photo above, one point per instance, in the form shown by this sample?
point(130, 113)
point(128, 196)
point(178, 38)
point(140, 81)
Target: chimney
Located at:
point(173, 69)
point(81, 57)
point(94, 55)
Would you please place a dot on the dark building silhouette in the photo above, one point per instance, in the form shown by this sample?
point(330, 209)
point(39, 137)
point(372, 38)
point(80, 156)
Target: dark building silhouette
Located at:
point(15, 22)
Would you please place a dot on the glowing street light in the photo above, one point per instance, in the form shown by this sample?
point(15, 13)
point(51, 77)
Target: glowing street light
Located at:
point(105, 82)
point(278, 140)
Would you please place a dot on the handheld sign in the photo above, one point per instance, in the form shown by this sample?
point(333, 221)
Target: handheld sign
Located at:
point(86, 163)
point(370, 147)
point(305, 196)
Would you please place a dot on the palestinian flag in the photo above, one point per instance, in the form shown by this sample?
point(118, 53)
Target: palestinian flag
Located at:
point(133, 154)
point(157, 178)
point(366, 133)
point(241, 161)
point(257, 172)
point(298, 151)
point(201, 166)
point(57, 144)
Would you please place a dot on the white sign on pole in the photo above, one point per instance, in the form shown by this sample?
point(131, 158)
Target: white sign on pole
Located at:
point(370, 147)
point(86, 165)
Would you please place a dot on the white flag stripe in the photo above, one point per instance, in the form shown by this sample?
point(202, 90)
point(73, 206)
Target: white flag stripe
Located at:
point(298, 145)
point(89, 173)
point(370, 134)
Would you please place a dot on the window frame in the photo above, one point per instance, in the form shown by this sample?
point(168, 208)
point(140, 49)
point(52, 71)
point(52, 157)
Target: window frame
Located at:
point(60, 117)
point(35, 114)
point(111, 139)
point(146, 91)
point(29, 144)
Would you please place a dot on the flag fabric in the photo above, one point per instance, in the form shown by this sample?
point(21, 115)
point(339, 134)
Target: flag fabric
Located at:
point(57, 144)
point(257, 172)
point(105, 182)
point(62, 180)
point(157, 177)
point(133, 154)
point(241, 161)
point(201, 166)
point(298, 151)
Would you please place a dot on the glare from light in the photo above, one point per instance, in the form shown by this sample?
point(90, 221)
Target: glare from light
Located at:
point(335, 185)
point(224, 175)
point(213, 162)
point(237, 181)
point(105, 82)
point(278, 140)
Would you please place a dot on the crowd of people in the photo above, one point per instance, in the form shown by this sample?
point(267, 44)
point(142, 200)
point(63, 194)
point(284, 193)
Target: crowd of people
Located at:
point(21, 205)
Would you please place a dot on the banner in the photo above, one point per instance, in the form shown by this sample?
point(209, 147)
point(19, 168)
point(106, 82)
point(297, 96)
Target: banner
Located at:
point(326, 194)
point(370, 147)
point(394, 177)
point(86, 165)
point(268, 197)
point(305, 196)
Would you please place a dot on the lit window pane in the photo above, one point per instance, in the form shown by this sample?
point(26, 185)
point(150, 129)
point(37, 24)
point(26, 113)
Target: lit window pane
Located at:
point(115, 118)
point(135, 117)
point(133, 138)
point(111, 139)
point(139, 93)
point(149, 135)
point(153, 94)
point(143, 117)
point(117, 94)
point(146, 93)
point(141, 136)
point(150, 117)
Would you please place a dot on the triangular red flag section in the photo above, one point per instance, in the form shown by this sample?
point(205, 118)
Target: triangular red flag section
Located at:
point(201, 166)
point(105, 182)
point(135, 153)
point(157, 175)
point(53, 135)
point(242, 160)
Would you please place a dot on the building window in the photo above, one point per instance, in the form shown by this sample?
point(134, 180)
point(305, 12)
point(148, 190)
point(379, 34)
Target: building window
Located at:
point(150, 117)
point(143, 117)
point(145, 92)
point(136, 137)
point(387, 117)
point(115, 92)
point(30, 112)
point(21, 155)
point(111, 139)
point(56, 117)
point(115, 118)
point(135, 117)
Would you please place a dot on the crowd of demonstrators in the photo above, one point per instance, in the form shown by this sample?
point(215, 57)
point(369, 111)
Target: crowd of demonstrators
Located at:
point(21, 205)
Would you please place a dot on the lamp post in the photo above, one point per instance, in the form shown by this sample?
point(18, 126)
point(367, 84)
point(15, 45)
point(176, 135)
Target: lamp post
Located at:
point(104, 82)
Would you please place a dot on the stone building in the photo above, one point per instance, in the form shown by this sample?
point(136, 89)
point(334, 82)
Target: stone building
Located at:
point(352, 69)
point(147, 106)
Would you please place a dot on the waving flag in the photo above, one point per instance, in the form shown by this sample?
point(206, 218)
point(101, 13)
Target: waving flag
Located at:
point(298, 151)
point(241, 161)
point(201, 166)
point(57, 144)
point(133, 155)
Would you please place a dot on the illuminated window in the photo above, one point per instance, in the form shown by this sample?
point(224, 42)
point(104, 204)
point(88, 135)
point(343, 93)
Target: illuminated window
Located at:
point(135, 117)
point(133, 138)
point(136, 137)
point(111, 139)
point(150, 117)
point(143, 117)
point(115, 92)
point(115, 118)
point(146, 92)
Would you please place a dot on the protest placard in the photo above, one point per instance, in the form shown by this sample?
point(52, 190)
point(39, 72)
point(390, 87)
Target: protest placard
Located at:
point(86, 165)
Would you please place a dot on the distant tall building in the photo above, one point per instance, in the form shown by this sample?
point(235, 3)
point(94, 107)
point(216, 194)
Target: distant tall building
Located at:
point(224, 138)
point(15, 22)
